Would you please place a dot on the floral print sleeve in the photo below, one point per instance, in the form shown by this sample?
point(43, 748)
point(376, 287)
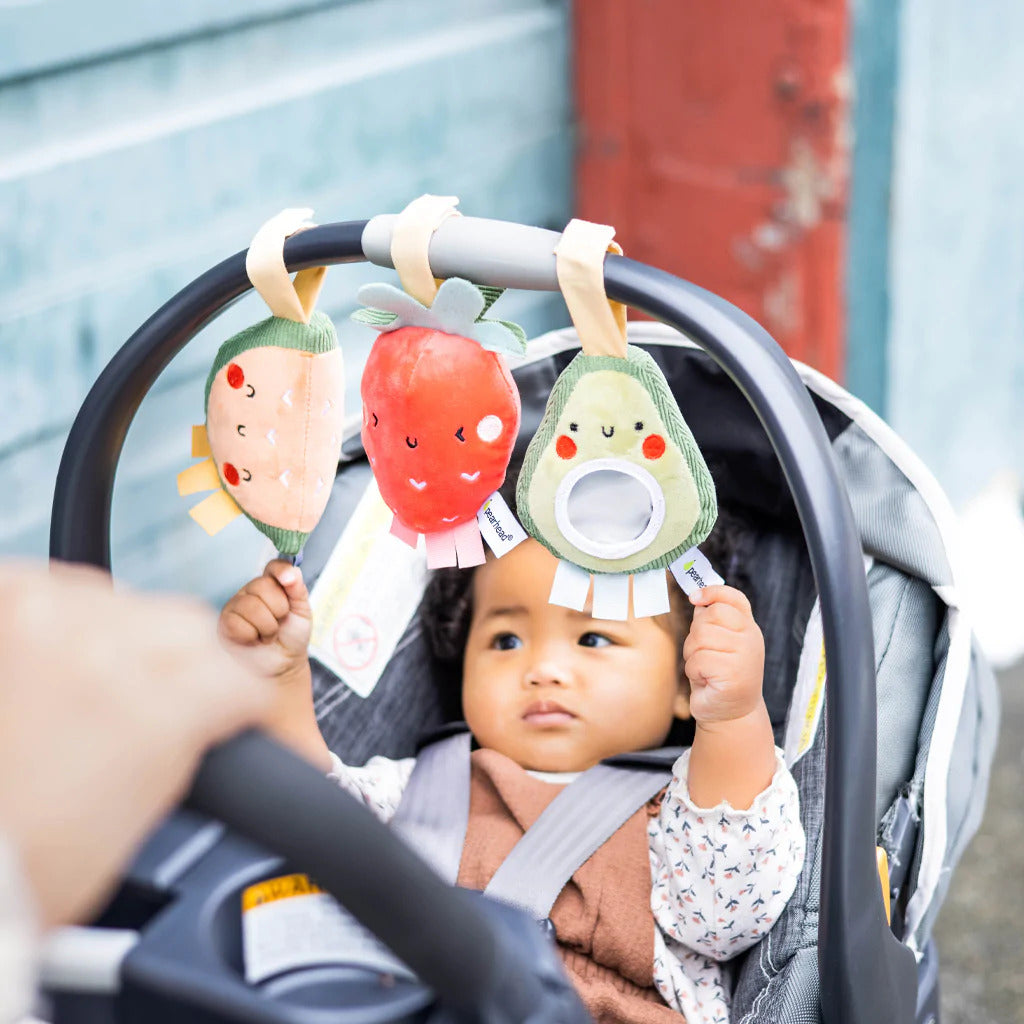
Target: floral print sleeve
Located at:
point(721, 876)
point(379, 783)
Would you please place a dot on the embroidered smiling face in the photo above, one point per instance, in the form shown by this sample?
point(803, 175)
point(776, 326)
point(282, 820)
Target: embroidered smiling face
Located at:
point(613, 480)
point(440, 417)
point(274, 421)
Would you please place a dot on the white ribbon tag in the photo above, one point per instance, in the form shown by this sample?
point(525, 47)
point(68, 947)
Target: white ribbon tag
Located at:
point(499, 526)
point(570, 587)
point(694, 572)
point(650, 593)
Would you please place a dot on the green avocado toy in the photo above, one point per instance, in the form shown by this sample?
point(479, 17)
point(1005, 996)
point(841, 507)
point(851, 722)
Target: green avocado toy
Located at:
point(613, 480)
point(613, 483)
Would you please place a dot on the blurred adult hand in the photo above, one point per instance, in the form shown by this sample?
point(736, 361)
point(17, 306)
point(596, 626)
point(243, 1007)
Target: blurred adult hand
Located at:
point(108, 698)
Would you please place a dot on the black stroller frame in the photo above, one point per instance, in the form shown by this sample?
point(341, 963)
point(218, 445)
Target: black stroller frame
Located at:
point(866, 974)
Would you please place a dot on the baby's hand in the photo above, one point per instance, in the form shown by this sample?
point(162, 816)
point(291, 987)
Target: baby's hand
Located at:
point(723, 656)
point(267, 624)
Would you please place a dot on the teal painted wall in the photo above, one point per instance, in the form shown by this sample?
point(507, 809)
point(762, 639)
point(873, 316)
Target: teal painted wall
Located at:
point(955, 357)
point(874, 44)
point(141, 142)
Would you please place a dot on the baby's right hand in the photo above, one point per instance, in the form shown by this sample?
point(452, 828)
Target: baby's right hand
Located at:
point(267, 624)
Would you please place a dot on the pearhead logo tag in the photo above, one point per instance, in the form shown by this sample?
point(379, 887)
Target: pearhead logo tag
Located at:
point(499, 526)
point(693, 572)
point(694, 575)
point(496, 526)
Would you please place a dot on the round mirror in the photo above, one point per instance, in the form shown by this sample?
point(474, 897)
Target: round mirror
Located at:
point(609, 508)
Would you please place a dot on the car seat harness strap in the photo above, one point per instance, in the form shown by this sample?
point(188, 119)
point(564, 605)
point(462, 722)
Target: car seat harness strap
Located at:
point(571, 828)
point(434, 815)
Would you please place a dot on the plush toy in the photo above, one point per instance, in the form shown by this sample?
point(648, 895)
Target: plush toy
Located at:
point(613, 483)
point(440, 415)
point(274, 408)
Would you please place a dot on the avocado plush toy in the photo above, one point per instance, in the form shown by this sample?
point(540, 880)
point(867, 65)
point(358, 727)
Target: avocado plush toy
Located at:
point(613, 479)
point(613, 482)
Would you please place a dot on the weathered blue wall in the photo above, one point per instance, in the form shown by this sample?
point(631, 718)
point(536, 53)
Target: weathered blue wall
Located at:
point(956, 339)
point(874, 40)
point(140, 142)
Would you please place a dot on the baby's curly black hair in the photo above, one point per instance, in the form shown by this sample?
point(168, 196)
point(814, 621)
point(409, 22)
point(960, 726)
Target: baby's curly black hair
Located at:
point(447, 607)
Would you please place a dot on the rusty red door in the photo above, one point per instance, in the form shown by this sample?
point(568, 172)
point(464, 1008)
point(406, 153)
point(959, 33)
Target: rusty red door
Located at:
point(712, 135)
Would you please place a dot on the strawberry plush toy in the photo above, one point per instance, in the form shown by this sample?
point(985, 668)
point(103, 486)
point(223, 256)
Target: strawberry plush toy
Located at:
point(440, 417)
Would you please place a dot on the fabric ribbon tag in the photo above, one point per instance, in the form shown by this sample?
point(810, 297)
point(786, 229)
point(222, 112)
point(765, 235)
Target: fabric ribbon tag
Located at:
point(579, 264)
point(288, 298)
point(410, 242)
point(694, 572)
point(499, 526)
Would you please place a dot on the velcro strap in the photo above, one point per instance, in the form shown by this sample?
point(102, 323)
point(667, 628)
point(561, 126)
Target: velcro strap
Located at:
point(410, 242)
point(290, 299)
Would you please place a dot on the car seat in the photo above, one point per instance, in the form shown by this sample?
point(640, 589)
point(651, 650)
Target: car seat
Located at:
point(854, 554)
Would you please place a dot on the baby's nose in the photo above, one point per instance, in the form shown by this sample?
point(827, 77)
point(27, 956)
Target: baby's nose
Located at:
point(547, 672)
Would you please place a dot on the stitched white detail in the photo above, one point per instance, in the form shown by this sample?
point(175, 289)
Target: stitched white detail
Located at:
point(490, 428)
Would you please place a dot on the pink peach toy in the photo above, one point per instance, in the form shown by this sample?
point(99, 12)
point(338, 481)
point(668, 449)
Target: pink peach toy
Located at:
point(274, 415)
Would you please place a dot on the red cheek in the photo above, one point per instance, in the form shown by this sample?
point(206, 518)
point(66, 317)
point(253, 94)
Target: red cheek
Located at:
point(565, 447)
point(654, 446)
point(235, 376)
point(230, 474)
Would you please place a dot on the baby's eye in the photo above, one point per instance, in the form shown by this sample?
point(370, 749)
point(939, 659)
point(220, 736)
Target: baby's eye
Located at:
point(506, 642)
point(595, 640)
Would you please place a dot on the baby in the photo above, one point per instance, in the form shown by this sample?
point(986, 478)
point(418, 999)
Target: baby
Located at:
point(695, 878)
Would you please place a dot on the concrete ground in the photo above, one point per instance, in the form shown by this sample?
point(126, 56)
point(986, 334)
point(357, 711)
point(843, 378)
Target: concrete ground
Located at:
point(981, 927)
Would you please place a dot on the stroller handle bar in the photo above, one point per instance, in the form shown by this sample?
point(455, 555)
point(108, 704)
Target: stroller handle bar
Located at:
point(866, 974)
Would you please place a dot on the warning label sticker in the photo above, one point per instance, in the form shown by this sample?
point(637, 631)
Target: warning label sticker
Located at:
point(364, 598)
point(290, 923)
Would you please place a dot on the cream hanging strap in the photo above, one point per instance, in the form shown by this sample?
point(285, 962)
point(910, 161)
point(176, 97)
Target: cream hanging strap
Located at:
point(579, 263)
point(288, 298)
point(410, 243)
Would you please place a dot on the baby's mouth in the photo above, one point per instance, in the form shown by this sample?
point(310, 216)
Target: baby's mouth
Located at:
point(547, 713)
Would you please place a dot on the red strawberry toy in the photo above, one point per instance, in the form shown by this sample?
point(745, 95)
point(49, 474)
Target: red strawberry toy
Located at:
point(440, 413)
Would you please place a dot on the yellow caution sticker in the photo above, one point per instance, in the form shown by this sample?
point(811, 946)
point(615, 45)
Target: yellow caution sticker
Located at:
point(289, 923)
point(282, 888)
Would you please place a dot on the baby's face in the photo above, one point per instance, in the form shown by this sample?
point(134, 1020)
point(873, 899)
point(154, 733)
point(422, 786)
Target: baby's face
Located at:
point(555, 689)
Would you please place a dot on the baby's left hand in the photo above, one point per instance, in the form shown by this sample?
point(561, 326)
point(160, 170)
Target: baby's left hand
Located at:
point(723, 656)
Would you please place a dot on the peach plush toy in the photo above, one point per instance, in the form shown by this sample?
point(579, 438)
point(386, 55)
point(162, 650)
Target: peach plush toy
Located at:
point(274, 406)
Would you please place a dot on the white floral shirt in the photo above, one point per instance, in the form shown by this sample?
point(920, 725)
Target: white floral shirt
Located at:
point(720, 877)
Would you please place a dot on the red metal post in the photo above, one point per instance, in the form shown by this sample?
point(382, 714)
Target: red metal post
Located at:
point(713, 136)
